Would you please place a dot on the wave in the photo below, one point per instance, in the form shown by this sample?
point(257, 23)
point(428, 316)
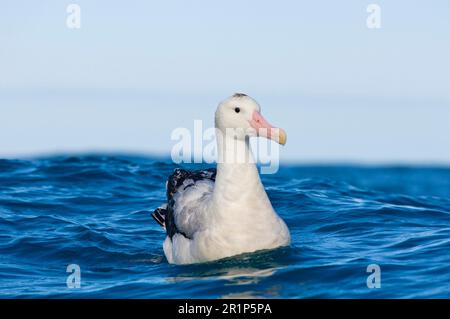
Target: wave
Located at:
point(93, 211)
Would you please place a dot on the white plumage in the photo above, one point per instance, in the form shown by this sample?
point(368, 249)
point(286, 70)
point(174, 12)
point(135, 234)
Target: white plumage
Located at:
point(212, 214)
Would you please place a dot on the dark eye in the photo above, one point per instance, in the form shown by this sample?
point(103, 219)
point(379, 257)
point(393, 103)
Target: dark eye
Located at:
point(237, 110)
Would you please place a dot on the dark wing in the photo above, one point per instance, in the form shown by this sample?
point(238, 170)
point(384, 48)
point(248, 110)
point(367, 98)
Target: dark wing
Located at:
point(180, 180)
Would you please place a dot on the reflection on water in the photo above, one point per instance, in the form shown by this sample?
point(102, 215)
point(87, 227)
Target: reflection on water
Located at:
point(246, 276)
point(245, 269)
point(270, 292)
point(233, 276)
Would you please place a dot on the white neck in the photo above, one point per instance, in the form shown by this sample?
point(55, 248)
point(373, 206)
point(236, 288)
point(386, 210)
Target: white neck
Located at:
point(237, 181)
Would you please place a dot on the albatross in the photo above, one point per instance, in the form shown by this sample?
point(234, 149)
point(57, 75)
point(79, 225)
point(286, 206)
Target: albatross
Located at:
point(217, 213)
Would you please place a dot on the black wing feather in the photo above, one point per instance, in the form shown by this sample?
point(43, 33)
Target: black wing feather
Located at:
point(165, 216)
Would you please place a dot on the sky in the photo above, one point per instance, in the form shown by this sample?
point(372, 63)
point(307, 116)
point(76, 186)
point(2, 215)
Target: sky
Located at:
point(136, 70)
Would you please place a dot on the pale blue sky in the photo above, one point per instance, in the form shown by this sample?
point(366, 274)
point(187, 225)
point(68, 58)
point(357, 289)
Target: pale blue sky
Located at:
point(138, 69)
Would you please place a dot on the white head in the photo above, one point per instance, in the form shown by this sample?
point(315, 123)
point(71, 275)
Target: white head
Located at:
point(242, 115)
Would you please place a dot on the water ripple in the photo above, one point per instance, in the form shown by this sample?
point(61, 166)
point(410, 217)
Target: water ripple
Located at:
point(93, 211)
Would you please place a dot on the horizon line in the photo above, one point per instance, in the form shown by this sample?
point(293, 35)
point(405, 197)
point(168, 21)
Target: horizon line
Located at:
point(283, 162)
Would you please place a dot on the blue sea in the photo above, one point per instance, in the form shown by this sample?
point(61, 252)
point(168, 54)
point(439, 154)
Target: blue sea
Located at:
point(94, 211)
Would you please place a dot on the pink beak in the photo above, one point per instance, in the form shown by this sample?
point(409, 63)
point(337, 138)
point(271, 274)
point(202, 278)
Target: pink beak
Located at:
point(263, 128)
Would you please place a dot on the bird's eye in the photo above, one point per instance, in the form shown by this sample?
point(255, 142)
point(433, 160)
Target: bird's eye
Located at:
point(237, 110)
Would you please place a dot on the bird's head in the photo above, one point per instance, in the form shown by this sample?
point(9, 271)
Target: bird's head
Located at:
point(242, 115)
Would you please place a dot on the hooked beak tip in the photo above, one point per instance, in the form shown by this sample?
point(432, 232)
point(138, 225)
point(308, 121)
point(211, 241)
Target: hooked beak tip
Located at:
point(282, 137)
point(264, 129)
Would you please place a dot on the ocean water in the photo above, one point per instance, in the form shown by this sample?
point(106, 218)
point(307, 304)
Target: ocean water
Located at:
point(93, 211)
